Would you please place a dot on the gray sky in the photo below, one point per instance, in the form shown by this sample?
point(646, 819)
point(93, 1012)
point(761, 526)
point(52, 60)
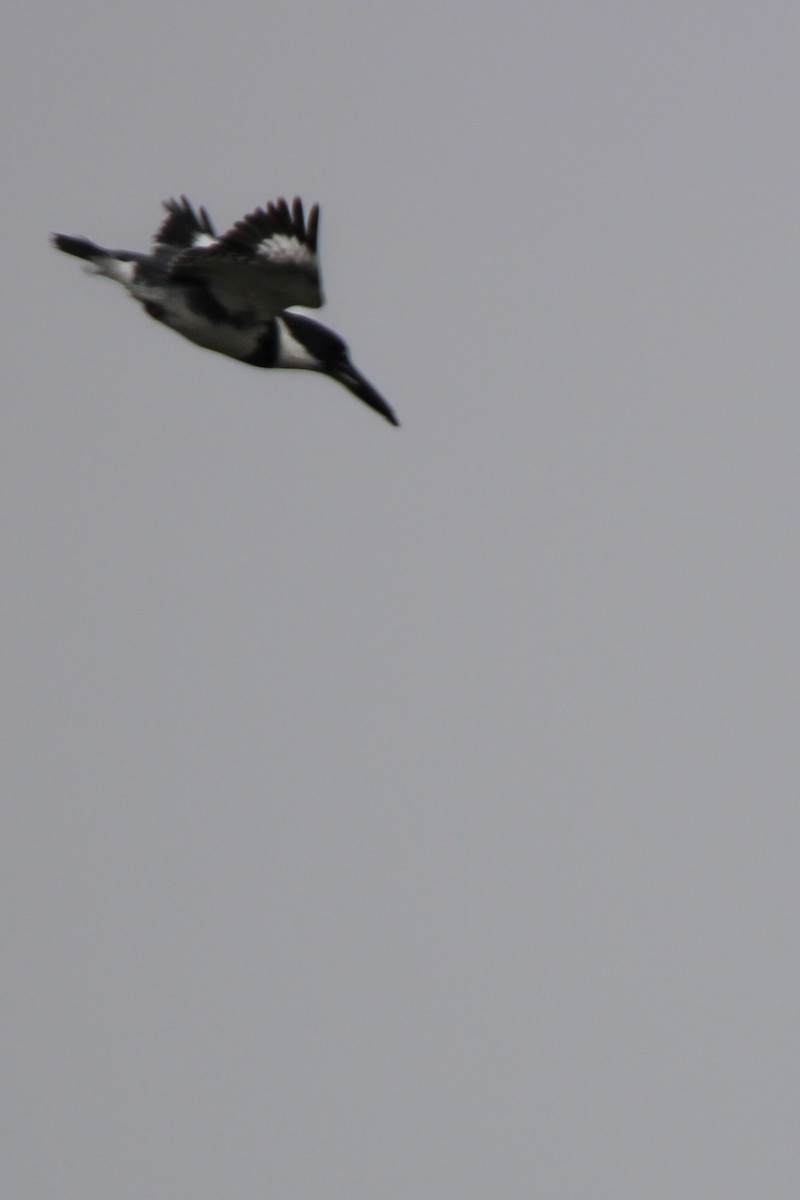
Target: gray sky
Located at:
point(407, 814)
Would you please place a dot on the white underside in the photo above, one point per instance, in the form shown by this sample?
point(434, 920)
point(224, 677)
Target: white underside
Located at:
point(113, 268)
point(224, 339)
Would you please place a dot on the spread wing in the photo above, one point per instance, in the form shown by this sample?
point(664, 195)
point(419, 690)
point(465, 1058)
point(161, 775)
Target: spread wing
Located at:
point(264, 264)
point(183, 227)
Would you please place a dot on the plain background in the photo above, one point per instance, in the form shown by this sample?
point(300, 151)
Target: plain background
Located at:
point(407, 814)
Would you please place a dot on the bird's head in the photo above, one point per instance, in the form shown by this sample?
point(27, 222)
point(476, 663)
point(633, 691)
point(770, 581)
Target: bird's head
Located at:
point(309, 346)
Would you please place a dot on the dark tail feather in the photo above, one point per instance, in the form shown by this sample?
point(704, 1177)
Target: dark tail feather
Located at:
point(80, 247)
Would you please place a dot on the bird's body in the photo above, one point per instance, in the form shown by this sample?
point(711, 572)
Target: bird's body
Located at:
point(234, 293)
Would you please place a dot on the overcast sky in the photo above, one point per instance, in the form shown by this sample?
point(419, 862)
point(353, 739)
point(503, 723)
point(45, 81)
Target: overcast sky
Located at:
point(407, 814)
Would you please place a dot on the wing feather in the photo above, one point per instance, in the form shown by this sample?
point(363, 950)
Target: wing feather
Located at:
point(265, 263)
point(183, 227)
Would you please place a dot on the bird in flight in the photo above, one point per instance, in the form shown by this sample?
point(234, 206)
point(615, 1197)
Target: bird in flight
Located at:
point(234, 293)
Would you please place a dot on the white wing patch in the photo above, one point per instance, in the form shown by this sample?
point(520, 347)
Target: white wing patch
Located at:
point(285, 249)
point(202, 241)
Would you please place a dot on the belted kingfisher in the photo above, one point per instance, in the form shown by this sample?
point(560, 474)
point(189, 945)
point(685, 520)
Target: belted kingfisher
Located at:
point(233, 293)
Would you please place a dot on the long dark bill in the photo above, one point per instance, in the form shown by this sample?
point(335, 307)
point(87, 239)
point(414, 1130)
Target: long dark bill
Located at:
point(354, 381)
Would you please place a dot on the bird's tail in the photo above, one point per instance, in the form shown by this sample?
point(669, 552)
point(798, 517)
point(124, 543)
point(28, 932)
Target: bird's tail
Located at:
point(80, 247)
point(119, 265)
